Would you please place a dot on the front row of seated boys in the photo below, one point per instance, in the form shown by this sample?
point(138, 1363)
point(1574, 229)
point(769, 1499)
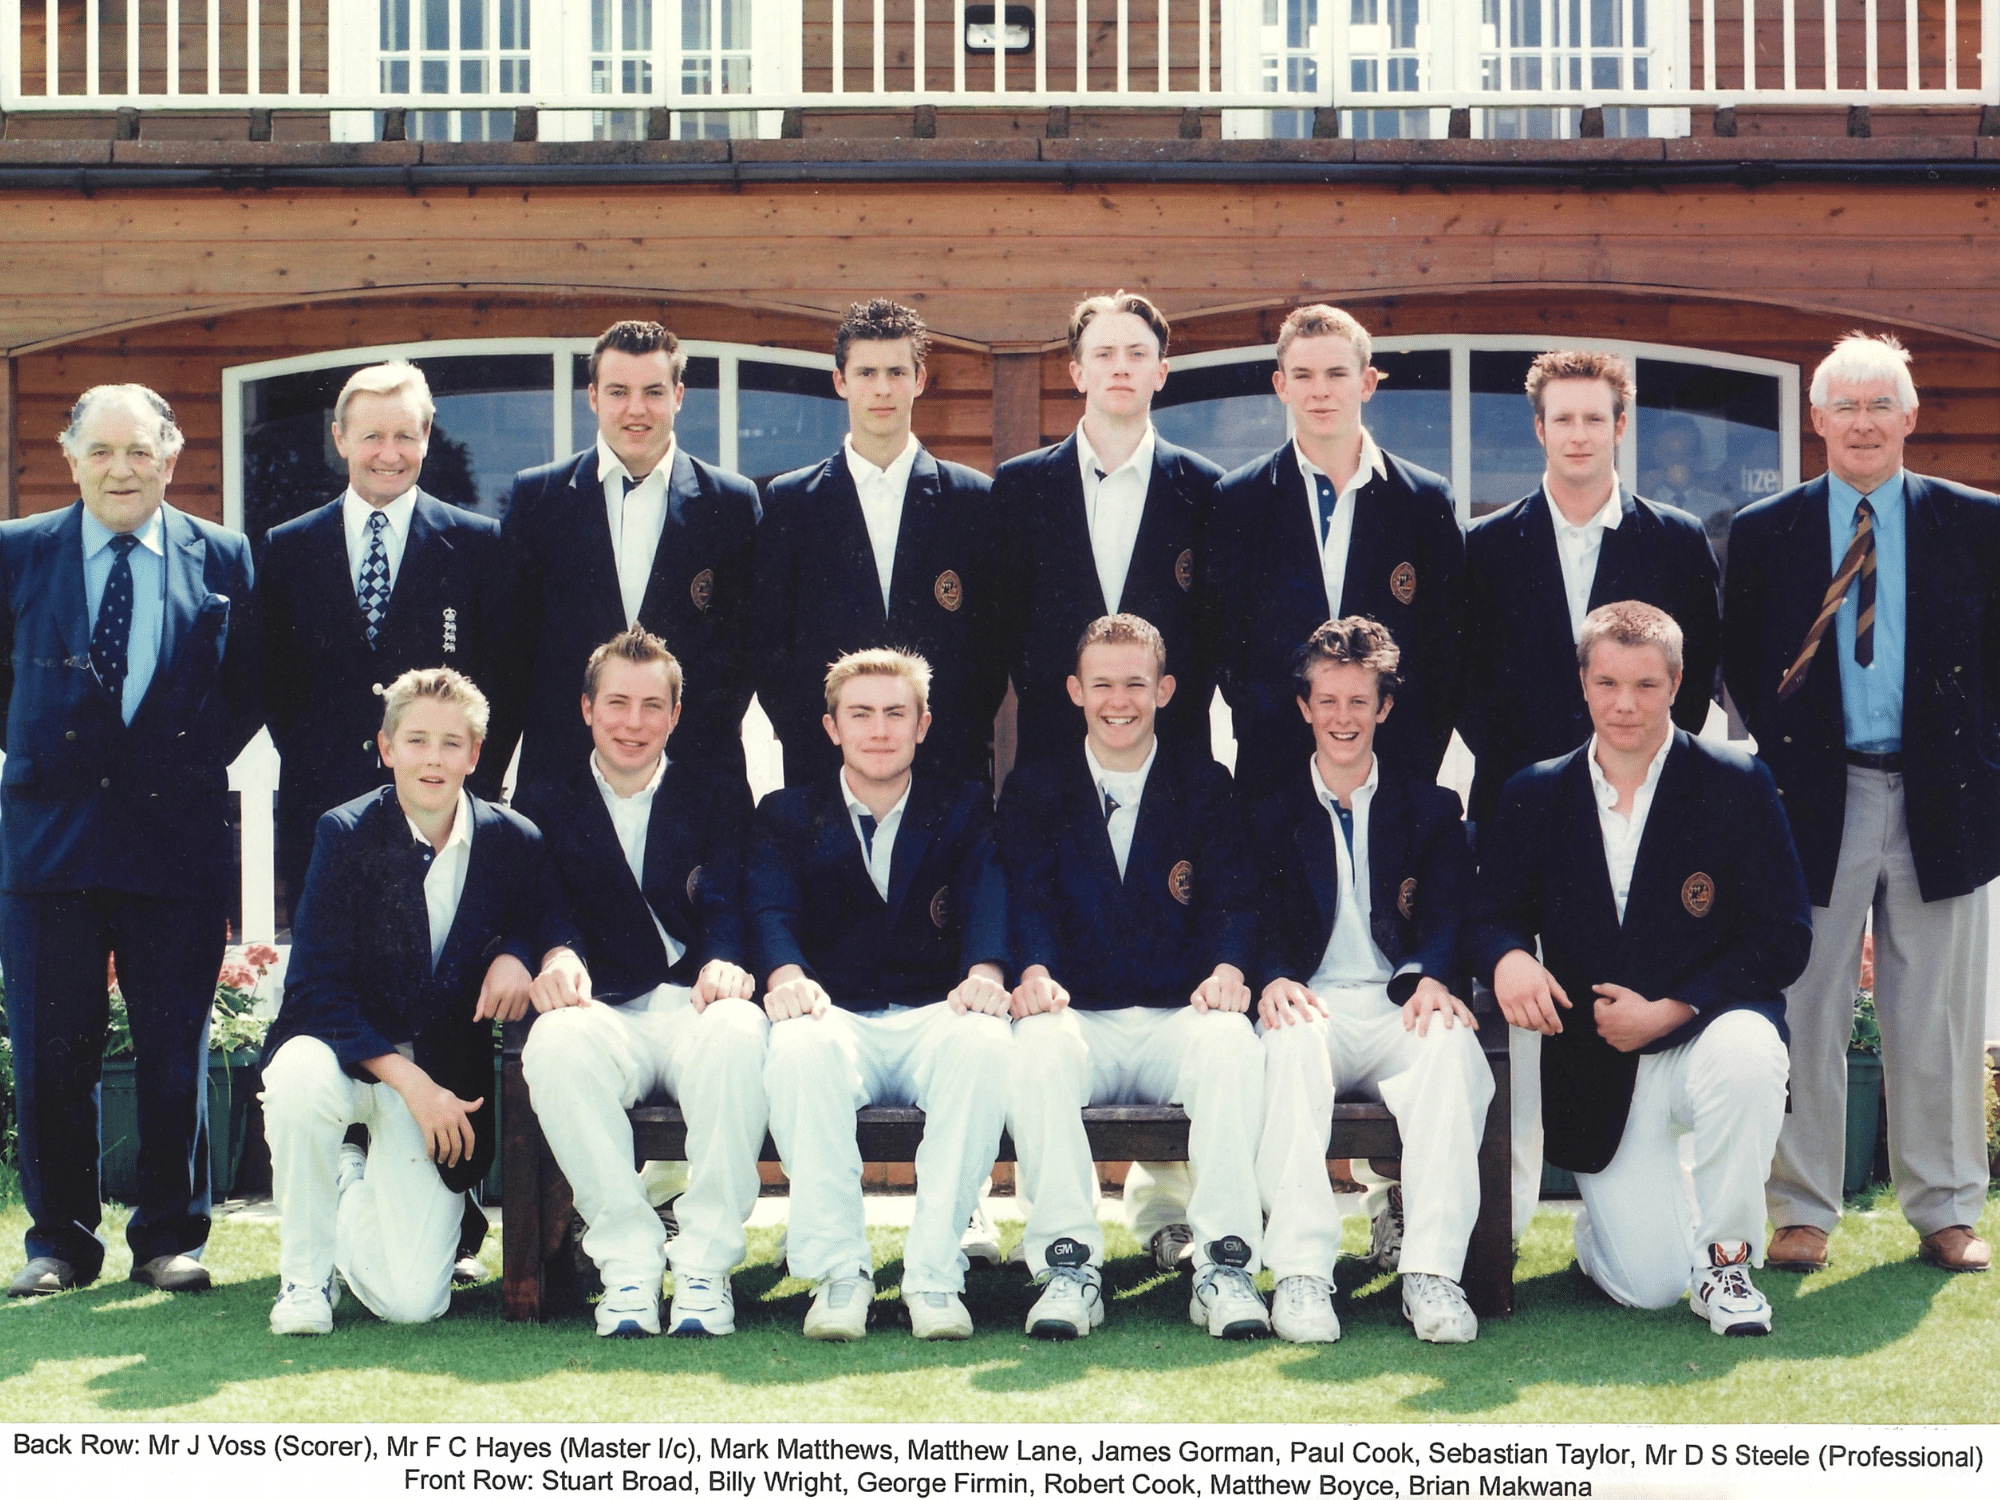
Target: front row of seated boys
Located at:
point(1640, 904)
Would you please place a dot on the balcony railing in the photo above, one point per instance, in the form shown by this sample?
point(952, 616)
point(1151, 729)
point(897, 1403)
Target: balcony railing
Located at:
point(582, 58)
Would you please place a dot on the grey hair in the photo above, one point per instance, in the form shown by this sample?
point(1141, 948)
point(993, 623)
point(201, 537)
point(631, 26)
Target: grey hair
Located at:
point(171, 438)
point(1865, 358)
point(389, 379)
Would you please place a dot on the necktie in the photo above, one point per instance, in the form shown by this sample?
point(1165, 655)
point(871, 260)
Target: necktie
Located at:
point(1328, 499)
point(112, 634)
point(1859, 562)
point(1111, 805)
point(1345, 818)
point(373, 592)
point(867, 822)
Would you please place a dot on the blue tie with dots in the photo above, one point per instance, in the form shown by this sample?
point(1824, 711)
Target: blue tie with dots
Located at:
point(867, 822)
point(111, 637)
point(1345, 817)
point(1110, 804)
point(374, 588)
point(1329, 497)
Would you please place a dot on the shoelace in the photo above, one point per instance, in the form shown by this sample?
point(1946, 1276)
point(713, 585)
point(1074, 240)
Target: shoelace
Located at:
point(698, 1289)
point(840, 1293)
point(1731, 1282)
point(1306, 1291)
point(1077, 1276)
point(1229, 1280)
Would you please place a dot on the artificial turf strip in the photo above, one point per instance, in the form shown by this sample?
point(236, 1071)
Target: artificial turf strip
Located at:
point(1877, 1338)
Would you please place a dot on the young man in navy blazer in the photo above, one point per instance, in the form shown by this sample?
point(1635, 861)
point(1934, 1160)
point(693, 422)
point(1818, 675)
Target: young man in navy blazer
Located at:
point(1109, 519)
point(1329, 525)
point(1656, 873)
point(1367, 877)
point(1533, 570)
point(879, 545)
point(1862, 643)
point(128, 665)
point(353, 594)
point(649, 851)
point(878, 918)
point(426, 912)
point(633, 530)
point(1134, 901)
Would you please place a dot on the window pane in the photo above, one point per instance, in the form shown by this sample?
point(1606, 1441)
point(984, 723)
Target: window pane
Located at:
point(1708, 440)
point(735, 24)
point(1507, 462)
point(696, 429)
point(694, 26)
point(1223, 412)
point(600, 25)
point(395, 25)
point(436, 75)
point(514, 24)
point(396, 76)
point(513, 75)
point(472, 76)
point(786, 417)
point(1410, 413)
point(471, 24)
point(437, 25)
point(636, 35)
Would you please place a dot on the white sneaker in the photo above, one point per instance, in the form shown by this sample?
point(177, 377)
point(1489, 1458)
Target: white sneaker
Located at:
point(1302, 1311)
point(1225, 1299)
point(1436, 1309)
point(1173, 1249)
point(1072, 1300)
point(1724, 1297)
point(1385, 1235)
point(306, 1309)
point(349, 1169)
point(938, 1315)
point(981, 1241)
point(839, 1310)
point(629, 1311)
point(703, 1304)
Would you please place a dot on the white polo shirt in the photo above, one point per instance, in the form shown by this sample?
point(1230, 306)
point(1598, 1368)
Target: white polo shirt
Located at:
point(1340, 535)
point(1624, 832)
point(1114, 501)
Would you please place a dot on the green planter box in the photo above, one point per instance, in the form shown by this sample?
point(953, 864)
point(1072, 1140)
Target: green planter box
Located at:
point(232, 1087)
point(1866, 1125)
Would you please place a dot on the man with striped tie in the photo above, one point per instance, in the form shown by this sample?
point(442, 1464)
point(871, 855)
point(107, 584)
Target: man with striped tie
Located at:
point(1861, 641)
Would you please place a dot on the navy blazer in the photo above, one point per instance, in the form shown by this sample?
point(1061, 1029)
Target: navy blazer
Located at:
point(817, 597)
point(1419, 881)
point(323, 681)
point(1188, 900)
point(87, 801)
point(1265, 594)
point(1524, 697)
point(567, 605)
point(360, 977)
point(1717, 918)
point(1054, 590)
point(693, 868)
point(1780, 566)
point(811, 903)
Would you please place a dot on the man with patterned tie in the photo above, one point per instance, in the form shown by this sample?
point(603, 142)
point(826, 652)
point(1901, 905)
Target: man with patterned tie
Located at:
point(127, 659)
point(1861, 641)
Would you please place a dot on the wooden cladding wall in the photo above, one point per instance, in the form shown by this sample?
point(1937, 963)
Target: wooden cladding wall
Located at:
point(185, 361)
point(232, 34)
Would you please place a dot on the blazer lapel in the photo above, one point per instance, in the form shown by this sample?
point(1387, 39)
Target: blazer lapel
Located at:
point(186, 554)
point(1664, 860)
point(841, 848)
point(662, 584)
point(1142, 581)
point(425, 551)
point(597, 560)
point(483, 865)
point(1388, 844)
point(841, 547)
point(1158, 811)
point(1073, 553)
point(1576, 805)
point(1802, 590)
point(1312, 837)
point(72, 599)
point(1621, 554)
point(1924, 544)
point(329, 571)
point(914, 836)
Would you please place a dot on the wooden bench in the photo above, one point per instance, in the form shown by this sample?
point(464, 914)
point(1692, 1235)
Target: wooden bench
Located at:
point(537, 1199)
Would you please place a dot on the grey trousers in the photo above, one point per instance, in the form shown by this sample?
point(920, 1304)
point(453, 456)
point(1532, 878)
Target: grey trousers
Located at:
point(1930, 997)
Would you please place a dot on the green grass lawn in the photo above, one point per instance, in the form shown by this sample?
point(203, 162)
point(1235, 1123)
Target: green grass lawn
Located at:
point(1879, 1338)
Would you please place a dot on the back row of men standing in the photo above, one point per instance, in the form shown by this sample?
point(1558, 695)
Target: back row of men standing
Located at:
point(676, 543)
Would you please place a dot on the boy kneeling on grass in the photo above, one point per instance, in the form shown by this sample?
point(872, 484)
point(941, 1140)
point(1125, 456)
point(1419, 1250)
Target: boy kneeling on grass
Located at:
point(423, 909)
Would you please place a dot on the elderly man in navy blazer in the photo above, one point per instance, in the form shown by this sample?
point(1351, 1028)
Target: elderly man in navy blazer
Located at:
point(352, 595)
point(1367, 876)
point(878, 918)
point(633, 530)
point(650, 852)
point(881, 544)
point(130, 676)
point(426, 915)
point(1110, 519)
point(1862, 644)
point(1330, 525)
point(1656, 873)
point(1135, 909)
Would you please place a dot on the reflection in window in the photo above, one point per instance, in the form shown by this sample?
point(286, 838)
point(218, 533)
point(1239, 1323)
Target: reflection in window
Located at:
point(1410, 413)
point(1708, 441)
point(1507, 461)
point(787, 416)
point(697, 428)
point(1223, 412)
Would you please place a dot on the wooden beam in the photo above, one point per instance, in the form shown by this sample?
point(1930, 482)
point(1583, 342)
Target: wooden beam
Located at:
point(1017, 404)
point(10, 440)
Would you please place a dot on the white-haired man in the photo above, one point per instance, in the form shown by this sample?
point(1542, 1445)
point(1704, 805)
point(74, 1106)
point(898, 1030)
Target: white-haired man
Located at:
point(126, 662)
point(1859, 643)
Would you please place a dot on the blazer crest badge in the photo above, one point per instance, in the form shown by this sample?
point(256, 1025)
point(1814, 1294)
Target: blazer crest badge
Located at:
point(1406, 899)
point(1698, 894)
point(702, 589)
point(694, 881)
point(1180, 882)
point(1184, 569)
point(941, 908)
point(948, 591)
point(1403, 583)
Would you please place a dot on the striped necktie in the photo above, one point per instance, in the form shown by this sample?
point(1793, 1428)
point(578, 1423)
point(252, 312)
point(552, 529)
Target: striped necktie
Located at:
point(1859, 563)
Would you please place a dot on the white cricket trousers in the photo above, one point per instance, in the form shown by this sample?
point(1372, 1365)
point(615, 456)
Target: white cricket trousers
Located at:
point(587, 1064)
point(394, 1234)
point(1208, 1062)
point(1437, 1086)
point(823, 1068)
point(1645, 1225)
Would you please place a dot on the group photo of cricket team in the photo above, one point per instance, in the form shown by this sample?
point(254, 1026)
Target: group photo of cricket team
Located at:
point(1670, 923)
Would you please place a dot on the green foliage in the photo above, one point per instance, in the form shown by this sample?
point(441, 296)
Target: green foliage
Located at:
point(1867, 1033)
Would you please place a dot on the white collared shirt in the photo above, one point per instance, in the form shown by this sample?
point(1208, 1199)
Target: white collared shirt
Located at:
point(444, 881)
point(354, 514)
point(630, 818)
point(1577, 549)
point(1114, 501)
point(636, 514)
point(1126, 788)
point(1351, 959)
point(1340, 535)
point(1624, 832)
point(881, 492)
point(876, 852)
